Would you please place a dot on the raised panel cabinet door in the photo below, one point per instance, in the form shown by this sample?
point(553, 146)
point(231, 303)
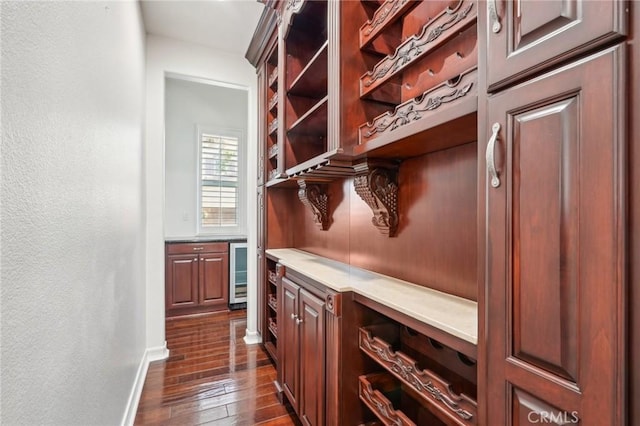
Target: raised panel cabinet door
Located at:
point(288, 340)
point(555, 246)
point(214, 279)
point(312, 350)
point(524, 37)
point(181, 288)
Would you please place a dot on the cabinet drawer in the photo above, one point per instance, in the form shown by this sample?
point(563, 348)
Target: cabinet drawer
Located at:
point(197, 248)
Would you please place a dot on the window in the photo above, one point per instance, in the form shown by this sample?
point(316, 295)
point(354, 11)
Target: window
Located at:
point(220, 182)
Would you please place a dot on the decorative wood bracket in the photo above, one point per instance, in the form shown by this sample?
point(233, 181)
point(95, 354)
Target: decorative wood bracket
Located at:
point(315, 197)
point(376, 182)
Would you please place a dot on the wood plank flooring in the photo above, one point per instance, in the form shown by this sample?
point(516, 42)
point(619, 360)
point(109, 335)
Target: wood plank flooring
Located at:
point(211, 377)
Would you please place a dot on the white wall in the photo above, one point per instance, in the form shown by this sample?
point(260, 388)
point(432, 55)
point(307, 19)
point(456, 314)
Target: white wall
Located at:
point(73, 285)
point(164, 56)
point(187, 105)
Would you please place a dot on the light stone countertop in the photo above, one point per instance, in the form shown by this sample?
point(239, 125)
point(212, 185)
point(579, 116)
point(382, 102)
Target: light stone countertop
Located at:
point(452, 314)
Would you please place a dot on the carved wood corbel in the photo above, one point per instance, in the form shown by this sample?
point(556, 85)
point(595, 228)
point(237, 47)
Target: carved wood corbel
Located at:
point(376, 182)
point(315, 197)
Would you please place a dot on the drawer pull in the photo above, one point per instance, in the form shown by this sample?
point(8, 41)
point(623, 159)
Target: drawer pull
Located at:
point(491, 161)
point(198, 248)
point(493, 16)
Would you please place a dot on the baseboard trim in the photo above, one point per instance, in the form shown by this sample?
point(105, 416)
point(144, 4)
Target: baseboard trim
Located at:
point(150, 355)
point(252, 337)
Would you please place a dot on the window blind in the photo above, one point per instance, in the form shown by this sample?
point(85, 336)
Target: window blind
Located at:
point(219, 180)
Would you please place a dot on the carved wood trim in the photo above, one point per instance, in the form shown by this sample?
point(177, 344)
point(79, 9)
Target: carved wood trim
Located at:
point(432, 388)
point(379, 404)
point(315, 197)
point(376, 182)
point(434, 33)
point(334, 303)
point(389, 12)
point(420, 107)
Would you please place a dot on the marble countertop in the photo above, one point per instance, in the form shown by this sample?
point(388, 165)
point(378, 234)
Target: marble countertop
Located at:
point(205, 239)
point(452, 314)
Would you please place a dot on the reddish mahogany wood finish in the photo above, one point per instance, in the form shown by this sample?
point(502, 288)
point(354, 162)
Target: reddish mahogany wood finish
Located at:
point(211, 377)
point(555, 276)
point(196, 278)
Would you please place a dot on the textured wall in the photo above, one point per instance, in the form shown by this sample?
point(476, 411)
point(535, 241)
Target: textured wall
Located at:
point(187, 105)
point(72, 297)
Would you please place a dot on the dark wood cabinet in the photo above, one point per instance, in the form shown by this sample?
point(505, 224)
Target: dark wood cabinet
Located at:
point(555, 245)
point(312, 345)
point(524, 37)
point(182, 281)
point(513, 112)
point(196, 278)
point(289, 357)
point(302, 351)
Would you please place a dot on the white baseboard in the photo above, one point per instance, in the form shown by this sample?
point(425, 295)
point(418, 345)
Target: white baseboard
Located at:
point(252, 337)
point(151, 354)
point(158, 353)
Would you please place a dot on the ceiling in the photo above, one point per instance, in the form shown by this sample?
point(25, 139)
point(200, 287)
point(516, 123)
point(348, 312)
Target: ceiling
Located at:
point(226, 25)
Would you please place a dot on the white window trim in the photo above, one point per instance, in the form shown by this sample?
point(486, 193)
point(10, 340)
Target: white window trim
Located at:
point(241, 228)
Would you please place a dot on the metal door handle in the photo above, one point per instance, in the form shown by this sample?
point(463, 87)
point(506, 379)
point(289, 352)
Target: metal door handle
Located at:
point(293, 316)
point(298, 321)
point(491, 162)
point(493, 16)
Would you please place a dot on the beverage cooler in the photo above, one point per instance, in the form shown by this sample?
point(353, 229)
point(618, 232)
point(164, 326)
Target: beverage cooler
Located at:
point(238, 275)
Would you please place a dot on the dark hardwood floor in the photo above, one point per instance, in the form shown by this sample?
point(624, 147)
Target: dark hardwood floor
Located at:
point(211, 377)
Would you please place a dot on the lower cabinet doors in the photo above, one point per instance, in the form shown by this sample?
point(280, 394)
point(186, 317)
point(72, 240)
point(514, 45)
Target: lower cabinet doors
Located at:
point(302, 351)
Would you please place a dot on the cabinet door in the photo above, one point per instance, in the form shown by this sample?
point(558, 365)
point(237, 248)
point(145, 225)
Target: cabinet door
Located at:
point(181, 289)
point(288, 340)
point(312, 348)
point(524, 37)
point(214, 279)
point(555, 247)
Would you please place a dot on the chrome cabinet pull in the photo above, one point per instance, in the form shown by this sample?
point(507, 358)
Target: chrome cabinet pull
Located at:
point(298, 321)
point(493, 16)
point(293, 316)
point(491, 162)
point(198, 248)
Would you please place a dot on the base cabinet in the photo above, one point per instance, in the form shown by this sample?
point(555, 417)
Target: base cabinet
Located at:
point(302, 355)
point(196, 278)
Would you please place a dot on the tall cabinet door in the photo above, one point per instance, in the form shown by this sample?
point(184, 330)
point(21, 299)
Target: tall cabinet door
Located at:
point(555, 246)
point(288, 340)
point(181, 280)
point(214, 279)
point(311, 323)
point(526, 36)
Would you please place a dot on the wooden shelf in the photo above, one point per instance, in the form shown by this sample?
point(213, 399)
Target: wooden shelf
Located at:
point(272, 152)
point(271, 350)
point(273, 78)
point(430, 387)
point(272, 277)
point(313, 122)
point(387, 14)
point(441, 118)
point(312, 80)
point(375, 390)
point(434, 34)
point(273, 327)
point(273, 302)
point(273, 102)
point(273, 126)
point(321, 168)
